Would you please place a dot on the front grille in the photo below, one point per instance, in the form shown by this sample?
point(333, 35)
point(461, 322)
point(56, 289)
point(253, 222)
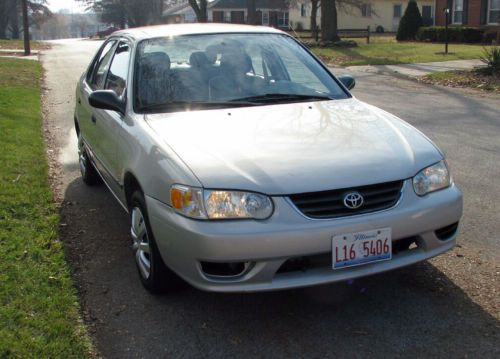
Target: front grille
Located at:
point(330, 204)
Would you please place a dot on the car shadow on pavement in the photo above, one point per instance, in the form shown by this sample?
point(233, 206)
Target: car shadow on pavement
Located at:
point(415, 311)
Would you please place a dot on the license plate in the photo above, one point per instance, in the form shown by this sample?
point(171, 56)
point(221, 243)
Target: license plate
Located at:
point(354, 249)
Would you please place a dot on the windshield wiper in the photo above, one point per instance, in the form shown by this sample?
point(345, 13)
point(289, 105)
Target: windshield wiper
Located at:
point(280, 97)
point(168, 106)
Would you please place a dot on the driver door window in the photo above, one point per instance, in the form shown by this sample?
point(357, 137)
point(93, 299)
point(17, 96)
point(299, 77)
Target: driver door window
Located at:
point(97, 76)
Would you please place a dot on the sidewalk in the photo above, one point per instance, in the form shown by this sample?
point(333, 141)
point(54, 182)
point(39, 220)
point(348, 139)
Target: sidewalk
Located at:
point(18, 54)
point(419, 69)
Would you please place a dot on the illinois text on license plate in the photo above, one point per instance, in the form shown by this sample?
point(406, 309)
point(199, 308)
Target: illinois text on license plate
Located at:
point(353, 249)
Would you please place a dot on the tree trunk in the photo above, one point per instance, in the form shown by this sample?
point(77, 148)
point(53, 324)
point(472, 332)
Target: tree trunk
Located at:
point(199, 9)
point(314, 15)
point(26, 27)
point(251, 12)
point(329, 31)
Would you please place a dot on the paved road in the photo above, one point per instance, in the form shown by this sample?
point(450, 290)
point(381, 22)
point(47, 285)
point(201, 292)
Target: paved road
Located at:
point(446, 307)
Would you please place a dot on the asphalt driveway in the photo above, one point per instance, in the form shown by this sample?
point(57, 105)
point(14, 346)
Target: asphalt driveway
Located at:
point(446, 307)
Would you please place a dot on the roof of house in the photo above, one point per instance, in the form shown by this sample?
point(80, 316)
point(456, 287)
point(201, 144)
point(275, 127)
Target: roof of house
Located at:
point(242, 4)
point(146, 32)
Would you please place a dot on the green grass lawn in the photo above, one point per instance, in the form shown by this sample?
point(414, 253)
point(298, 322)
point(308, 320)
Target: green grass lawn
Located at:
point(387, 51)
point(39, 315)
point(19, 45)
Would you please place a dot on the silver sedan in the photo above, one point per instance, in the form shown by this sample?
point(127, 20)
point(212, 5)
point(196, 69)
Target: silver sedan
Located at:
point(245, 165)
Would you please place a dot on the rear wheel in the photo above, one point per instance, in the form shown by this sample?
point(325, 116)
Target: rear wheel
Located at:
point(87, 169)
point(154, 274)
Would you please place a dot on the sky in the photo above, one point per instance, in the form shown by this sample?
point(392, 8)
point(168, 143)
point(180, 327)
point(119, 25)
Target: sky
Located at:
point(71, 5)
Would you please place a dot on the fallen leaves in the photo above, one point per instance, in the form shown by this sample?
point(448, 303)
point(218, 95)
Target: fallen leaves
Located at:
point(464, 79)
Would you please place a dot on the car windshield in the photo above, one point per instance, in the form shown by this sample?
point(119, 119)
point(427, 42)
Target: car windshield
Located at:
point(227, 70)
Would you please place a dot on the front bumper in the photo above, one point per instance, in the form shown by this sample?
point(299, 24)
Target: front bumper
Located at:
point(268, 244)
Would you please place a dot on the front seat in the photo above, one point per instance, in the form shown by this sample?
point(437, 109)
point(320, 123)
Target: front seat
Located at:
point(232, 81)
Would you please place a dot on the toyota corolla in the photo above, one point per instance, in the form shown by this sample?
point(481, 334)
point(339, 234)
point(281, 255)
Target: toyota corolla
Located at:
point(245, 165)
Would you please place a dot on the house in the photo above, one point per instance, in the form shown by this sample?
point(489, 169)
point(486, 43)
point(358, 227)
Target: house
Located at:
point(180, 13)
point(380, 15)
point(269, 12)
point(469, 12)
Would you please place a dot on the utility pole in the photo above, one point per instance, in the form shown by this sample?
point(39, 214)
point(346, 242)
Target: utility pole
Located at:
point(26, 26)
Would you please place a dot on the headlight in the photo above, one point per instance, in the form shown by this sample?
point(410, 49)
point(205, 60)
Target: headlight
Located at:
point(431, 179)
point(218, 204)
point(235, 204)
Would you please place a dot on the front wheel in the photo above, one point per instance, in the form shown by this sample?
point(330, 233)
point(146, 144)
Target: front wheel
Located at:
point(154, 274)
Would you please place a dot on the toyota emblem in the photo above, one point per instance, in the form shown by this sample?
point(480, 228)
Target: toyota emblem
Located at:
point(353, 200)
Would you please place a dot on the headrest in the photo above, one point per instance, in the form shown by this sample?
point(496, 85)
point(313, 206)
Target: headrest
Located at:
point(198, 59)
point(153, 63)
point(236, 62)
point(211, 51)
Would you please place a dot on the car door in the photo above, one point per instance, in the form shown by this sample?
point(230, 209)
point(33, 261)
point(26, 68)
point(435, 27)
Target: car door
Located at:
point(94, 80)
point(109, 123)
point(112, 121)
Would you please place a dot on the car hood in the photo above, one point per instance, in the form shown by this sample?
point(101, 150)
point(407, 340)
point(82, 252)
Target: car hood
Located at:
point(294, 148)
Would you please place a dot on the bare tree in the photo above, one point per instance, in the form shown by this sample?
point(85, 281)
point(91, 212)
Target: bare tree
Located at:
point(131, 13)
point(200, 9)
point(57, 27)
point(15, 13)
point(81, 22)
point(314, 14)
point(11, 14)
point(26, 28)
point(329, 25)
point(251, 12)
point(329, 18)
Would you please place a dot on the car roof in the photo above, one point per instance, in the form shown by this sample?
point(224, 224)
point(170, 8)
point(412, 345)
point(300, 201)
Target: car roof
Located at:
point(146, 32)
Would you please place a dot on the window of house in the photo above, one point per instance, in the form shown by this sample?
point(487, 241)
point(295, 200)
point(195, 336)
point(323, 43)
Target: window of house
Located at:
point(303, 11)
point(428, 14)
point(458, 11)
point(218, 16)
point(494, 12)
point(283, 19)
point(265, 18)
point(397, 10)
point(366, 10)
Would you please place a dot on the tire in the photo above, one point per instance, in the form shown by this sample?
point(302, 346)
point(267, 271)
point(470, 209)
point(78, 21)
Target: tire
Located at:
point(89, 174)
point(154, 274)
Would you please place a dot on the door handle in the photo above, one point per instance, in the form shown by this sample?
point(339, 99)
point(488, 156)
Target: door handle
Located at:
point(79, 100)
point(93, 119)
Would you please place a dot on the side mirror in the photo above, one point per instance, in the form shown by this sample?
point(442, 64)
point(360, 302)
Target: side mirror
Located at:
point(107, 100)
point(348, 81)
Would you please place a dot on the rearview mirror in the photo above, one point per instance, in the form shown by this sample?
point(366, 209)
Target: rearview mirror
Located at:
point(348, 81)
point(107, 100)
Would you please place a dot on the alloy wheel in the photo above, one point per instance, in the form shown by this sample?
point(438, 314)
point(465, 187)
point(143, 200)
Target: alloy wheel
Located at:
point(82, 157)
point(141, 244)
